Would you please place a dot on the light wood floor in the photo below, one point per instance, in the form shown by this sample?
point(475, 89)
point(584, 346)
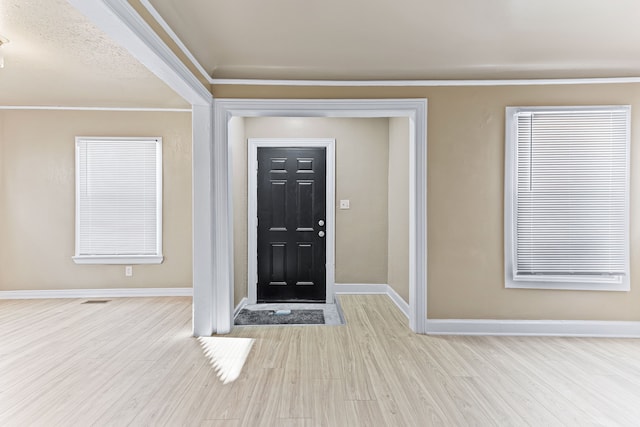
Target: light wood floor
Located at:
point(133, 362)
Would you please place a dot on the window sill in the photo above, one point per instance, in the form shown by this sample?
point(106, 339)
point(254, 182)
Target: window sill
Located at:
point(127, 259)
point(568, 286)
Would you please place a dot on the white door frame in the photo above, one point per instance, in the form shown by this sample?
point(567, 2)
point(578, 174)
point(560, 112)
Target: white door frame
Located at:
point(252, 207)
point(221, 306)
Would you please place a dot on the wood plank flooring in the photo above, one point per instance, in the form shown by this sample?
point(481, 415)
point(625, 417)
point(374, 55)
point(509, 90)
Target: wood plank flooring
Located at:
point(132, 361)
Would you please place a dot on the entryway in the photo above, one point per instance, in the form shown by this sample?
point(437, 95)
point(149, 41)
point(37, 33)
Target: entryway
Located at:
point(213, 212)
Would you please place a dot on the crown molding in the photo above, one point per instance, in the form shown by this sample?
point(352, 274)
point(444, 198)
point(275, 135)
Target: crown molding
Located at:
point(425, 83)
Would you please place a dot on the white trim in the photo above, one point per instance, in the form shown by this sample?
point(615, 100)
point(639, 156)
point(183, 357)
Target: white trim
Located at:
point(360, 288)
point(252, 207)
point(112, 259)
point(120, 21)
point(415, 109)
point(244, 301)
point(557, 283)
point(425, 83)
point(56, 108)
point(565, 328)
point(98, 293)
point(398, 300)
point(160, 20)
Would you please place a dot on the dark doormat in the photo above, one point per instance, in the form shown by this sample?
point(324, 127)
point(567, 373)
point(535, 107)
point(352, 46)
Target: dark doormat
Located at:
point(268, 317)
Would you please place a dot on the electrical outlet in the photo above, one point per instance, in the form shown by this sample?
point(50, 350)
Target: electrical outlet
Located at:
point(128, 271)
point(344, 204)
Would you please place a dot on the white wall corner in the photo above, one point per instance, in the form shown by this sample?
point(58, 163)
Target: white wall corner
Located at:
point(566, 328)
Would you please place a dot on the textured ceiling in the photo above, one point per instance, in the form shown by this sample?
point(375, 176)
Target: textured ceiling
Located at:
point(57, 57)
point(409, 39)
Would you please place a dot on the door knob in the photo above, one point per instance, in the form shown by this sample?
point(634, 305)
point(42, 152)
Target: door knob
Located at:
point(321, 223)
point(321, 233)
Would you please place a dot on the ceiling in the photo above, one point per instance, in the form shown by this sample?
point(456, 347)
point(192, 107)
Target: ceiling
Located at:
point(56, 56)
point(409, 39)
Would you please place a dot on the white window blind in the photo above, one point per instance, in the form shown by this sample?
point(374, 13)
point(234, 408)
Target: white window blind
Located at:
point(569, 196)
point(118, 200)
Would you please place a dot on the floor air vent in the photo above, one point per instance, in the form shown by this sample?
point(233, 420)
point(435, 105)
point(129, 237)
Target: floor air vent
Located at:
point(96, 301)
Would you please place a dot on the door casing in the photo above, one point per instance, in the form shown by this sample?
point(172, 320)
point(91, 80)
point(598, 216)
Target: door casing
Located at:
point(252, 207)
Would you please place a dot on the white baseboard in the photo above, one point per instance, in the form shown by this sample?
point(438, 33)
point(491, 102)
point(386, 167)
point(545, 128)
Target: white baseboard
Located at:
point(373, 288)
point(564, 328)
point(398, 300)
point(560, 328)
point(98, 293)
point(244, 301)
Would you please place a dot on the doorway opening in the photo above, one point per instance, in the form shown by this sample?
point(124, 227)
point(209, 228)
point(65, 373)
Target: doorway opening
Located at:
point(220, 300)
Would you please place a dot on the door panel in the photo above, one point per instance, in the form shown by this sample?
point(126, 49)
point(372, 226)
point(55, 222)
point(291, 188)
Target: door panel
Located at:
point(278, 264)
point(291, 202)
point(305, 264)
point(278, 206)
point(304, 211)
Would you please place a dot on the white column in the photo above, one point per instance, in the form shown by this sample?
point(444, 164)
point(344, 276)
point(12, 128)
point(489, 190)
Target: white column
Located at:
point(222, 224)
point(418, 221)
point(203, 247)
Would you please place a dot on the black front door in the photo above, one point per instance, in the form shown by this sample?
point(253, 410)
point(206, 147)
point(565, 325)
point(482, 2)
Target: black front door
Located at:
point(291, 224)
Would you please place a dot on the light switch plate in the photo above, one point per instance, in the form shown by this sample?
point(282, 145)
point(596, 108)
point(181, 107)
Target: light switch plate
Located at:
point(344, 204)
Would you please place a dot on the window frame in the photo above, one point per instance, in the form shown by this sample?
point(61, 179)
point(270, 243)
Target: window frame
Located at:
point(156, 258)
point(556, 282)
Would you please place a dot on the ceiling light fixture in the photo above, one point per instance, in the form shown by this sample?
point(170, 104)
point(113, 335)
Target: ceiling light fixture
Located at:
point(3, 41)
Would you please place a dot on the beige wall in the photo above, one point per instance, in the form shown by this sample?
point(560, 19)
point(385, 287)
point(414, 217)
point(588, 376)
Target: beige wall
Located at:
point(466, 192)
point(361, 177)
point(398, 251)
point(37, 199)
